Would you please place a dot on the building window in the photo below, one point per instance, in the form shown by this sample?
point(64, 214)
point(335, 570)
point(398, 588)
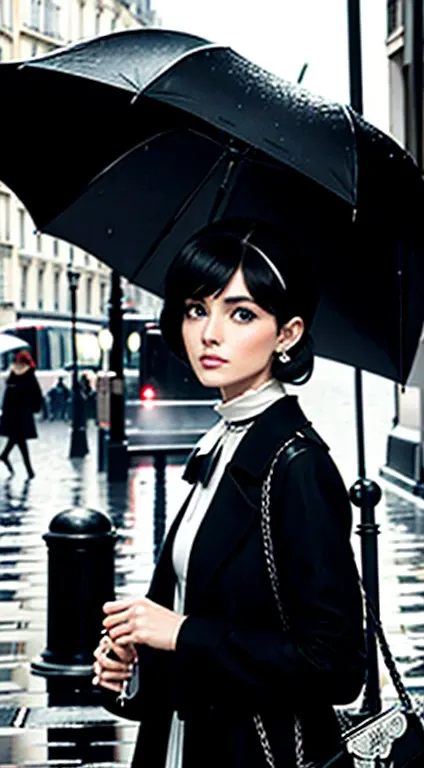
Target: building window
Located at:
point(34, 48)
point(71, 254)
point(24, 285)
point(103, 298)
point(7, 216)
point(114, 21)
point(97, 22)
point(35, 12)
point(56, 291)
point(21, 228)
point(88, 295)
point(51, 18)
point(86, 259)
point(55, 247)
point(38, 242)
point(4, 217)
point(40, 288)
point(6, 13)
point(2, 280)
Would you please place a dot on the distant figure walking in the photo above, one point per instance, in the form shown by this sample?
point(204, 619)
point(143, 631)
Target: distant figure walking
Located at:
point(58, 397)
point(89, 395)
point(22, 398)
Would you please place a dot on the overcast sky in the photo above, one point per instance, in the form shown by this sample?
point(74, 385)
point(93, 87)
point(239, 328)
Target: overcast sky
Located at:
point(281, 35)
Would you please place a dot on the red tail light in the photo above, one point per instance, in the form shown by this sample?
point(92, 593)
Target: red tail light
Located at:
point(147, 393)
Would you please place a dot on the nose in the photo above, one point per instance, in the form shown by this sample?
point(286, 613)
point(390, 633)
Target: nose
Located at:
point(212, 331)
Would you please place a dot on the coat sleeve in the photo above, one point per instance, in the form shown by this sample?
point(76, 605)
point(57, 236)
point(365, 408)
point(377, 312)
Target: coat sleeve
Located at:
point(322, 655)
point(36, 395)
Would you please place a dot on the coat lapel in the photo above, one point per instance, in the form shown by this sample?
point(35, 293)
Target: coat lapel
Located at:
point(234, 509)
point(227, 522)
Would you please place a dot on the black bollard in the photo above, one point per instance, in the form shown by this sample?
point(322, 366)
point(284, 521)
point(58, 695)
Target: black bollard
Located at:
point(80, 579)
point(366, 494)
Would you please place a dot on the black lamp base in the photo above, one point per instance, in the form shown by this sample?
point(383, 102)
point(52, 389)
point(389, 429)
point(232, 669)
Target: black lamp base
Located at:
point(79, 446)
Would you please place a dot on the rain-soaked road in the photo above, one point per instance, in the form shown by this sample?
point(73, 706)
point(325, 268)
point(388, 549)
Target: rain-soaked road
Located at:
point(32, 733)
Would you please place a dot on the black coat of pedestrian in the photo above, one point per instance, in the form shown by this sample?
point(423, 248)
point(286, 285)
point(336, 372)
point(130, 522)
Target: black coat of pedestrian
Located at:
point(22, 398)
point(232, 658)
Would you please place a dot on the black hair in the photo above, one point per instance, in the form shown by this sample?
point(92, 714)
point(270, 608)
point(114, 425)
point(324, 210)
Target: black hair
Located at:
point(210, 258)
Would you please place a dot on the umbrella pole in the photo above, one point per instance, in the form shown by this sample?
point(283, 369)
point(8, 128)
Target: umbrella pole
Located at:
point(365, 493)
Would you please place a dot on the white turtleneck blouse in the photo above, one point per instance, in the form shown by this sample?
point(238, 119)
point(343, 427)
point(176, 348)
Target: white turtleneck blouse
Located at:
point(237, 416)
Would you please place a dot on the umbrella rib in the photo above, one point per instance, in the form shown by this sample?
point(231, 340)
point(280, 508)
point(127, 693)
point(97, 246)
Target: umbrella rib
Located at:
point(180, 212)
point(173, 63)
point(233, 168)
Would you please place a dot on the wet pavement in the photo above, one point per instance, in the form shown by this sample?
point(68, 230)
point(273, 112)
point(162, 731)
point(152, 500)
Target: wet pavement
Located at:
point(34, 731)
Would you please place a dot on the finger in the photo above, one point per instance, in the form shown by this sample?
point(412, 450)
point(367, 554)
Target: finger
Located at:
point(126, 654)
point(116, 687)
point(127, 639)
point(97, 669)
point(119, 630)
point(111, 677)
point(115, 666)
point(116, 618)
point(116, 606)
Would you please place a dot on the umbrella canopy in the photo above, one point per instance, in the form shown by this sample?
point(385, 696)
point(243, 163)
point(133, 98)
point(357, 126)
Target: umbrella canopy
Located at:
point(178, 131)
point(11, 343)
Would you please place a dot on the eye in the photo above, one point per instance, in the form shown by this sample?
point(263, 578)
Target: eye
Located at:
point(243, 315)
point(193, 311)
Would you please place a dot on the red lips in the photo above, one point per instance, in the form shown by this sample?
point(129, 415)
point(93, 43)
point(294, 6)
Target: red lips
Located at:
point(213, 359)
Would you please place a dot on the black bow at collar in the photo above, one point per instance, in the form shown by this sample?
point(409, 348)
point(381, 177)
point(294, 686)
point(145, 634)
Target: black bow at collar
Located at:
point(200, 467)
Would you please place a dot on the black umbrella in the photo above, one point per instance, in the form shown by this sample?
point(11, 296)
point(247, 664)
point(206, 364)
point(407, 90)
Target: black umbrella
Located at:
point(176, 131)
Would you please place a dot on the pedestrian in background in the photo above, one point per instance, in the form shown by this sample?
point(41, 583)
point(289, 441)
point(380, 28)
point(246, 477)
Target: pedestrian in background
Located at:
point(217, 680)
point(58, 398)
point(89, 394)
point(22, 398)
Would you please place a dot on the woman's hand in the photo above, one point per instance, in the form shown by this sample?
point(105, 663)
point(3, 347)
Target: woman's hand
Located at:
point(140, 621)
point(108, 672)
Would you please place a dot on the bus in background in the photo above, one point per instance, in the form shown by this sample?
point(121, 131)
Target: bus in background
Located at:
point(163, 398)
point(50, 344)
point(172, 406)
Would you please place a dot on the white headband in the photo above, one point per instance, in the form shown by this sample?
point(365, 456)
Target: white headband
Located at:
point(272, 266)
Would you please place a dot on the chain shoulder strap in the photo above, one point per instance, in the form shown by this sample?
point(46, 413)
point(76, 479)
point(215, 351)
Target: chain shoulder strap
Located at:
point(405, 699)
point(273, 576)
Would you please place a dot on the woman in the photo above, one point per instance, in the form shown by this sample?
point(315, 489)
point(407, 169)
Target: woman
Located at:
point(22, 398)
point(208, 639)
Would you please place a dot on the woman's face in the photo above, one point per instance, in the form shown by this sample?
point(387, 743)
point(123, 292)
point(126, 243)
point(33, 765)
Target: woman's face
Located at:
point(230, 340)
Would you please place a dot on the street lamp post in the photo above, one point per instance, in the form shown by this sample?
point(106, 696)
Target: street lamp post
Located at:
point(117, 446)
point(79, 447)
point(365, 493)
point(105, 341)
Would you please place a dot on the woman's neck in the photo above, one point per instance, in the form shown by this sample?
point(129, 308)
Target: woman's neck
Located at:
point(241, 387)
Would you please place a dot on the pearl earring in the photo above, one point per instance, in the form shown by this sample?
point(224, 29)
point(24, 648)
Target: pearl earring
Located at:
point(284, 357)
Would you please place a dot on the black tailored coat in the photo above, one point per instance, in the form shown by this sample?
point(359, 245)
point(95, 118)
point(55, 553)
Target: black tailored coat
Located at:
point(232, 658)
point(22, 398)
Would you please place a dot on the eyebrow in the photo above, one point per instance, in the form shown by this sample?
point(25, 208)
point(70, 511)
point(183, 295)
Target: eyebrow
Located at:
point(237, 299)
point(230, 299)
